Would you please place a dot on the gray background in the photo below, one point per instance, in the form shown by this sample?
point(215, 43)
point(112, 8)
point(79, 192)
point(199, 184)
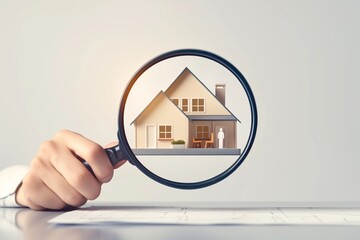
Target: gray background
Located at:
point(64, 64)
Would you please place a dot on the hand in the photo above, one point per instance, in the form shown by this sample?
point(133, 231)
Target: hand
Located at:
point(57, 179)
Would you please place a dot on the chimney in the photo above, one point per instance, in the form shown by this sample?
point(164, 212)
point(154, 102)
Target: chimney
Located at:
point(220, 93)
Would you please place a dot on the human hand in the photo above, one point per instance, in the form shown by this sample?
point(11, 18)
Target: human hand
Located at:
point(57, 178)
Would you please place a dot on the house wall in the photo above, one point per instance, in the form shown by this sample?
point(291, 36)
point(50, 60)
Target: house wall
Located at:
point(161, 111)
point(187, 86)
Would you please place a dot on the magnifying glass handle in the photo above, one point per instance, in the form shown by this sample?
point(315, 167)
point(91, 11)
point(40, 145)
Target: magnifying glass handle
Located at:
point(114, 154)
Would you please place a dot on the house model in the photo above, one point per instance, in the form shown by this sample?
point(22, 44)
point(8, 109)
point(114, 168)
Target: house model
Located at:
point(187, 111)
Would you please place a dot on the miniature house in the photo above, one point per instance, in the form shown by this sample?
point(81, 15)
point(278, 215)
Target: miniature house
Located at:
point(187, 111)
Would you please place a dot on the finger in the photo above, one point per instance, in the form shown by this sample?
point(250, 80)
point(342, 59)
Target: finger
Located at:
point(62, 188)
point(88, 150)
point(119, 164)
point(34, 206)
point(23, 200)
point(39, 196)
point(112, 144)
point(70, 168)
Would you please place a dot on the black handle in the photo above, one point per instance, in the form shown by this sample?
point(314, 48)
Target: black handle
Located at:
point(114, 154)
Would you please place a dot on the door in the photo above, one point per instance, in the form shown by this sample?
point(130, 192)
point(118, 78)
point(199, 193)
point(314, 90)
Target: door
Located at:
point(151, 136)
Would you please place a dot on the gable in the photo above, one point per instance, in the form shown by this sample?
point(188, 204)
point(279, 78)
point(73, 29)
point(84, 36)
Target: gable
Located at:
point(160, 110)
point(187, 85)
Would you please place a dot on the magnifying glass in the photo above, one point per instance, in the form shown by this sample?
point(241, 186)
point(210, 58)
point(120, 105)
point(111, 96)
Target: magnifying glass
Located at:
point(187, 119)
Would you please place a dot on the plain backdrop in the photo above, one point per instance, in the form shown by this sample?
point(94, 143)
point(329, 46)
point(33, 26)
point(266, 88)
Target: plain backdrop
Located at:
point(64, 64)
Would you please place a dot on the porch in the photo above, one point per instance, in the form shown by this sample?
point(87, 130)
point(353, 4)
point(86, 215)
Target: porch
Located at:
point(203, 131)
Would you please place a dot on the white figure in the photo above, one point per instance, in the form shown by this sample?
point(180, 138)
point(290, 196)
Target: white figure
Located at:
point(221, 137)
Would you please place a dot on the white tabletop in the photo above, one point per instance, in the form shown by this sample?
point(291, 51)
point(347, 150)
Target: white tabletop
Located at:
point(28, 224)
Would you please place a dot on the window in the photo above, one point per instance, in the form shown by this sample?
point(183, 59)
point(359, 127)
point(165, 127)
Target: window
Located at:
point(202, 132)
point(165, 132)
point(185, 104)
point(198, 105)
point(176, 101)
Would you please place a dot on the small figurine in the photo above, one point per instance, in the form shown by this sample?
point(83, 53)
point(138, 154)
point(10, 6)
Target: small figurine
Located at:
point(221, 137)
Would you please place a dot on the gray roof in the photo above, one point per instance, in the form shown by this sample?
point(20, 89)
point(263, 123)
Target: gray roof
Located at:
point(212, 118)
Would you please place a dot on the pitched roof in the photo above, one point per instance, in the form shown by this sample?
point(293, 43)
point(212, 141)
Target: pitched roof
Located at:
point(192, 117)
point(187, 70)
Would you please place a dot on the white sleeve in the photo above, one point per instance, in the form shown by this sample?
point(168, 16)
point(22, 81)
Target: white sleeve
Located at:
point(10, 179)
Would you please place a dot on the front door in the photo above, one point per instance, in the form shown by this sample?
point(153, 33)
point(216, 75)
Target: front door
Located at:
point(151, 136)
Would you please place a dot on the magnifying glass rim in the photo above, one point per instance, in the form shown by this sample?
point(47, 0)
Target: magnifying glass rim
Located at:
point(124, 145)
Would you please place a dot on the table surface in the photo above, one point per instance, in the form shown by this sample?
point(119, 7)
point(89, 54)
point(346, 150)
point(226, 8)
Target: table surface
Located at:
point(22, 223)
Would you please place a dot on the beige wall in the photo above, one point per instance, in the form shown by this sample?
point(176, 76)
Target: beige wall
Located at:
point(187, 86)
point(161, 111)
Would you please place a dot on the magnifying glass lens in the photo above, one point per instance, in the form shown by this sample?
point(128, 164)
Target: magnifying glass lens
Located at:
point(187, 119)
